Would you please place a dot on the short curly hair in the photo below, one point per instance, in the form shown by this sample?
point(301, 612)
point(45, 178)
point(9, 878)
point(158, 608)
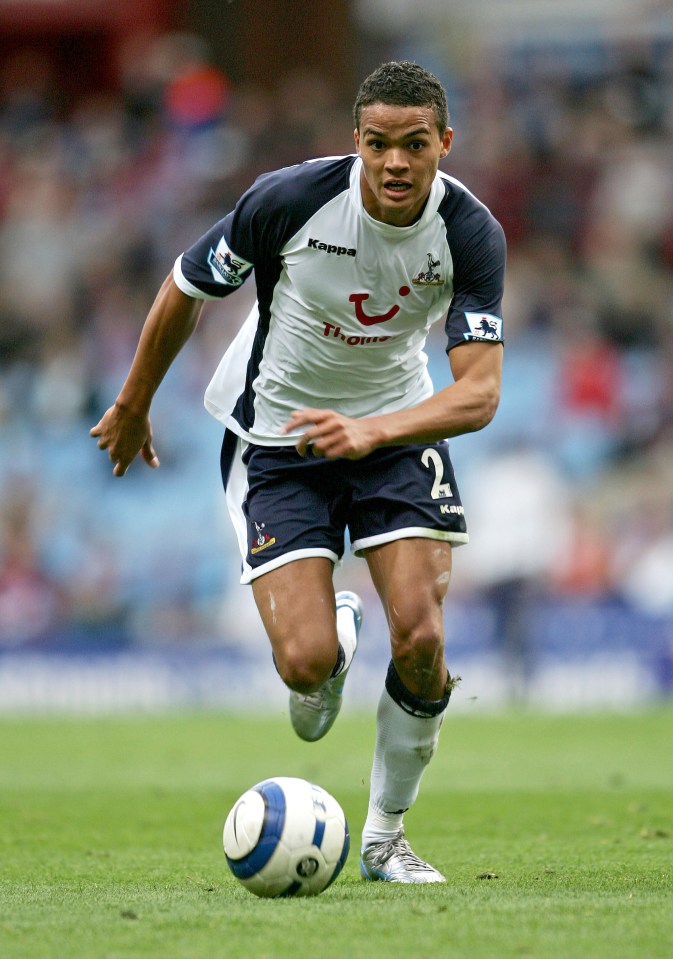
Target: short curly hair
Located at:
point(404, 84)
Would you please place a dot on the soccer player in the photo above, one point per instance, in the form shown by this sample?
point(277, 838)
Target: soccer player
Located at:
point(331, 419)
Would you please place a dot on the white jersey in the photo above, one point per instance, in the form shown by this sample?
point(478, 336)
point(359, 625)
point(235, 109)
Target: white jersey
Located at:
point(344, 302)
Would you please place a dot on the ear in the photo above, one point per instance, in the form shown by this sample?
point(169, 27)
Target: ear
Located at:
point(446, 142)
point(356, 137)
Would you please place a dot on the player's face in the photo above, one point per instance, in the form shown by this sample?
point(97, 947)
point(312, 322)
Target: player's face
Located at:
point(400, 149)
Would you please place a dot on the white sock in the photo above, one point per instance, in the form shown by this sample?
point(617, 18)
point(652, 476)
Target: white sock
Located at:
point(405, 744)
point(347, 639)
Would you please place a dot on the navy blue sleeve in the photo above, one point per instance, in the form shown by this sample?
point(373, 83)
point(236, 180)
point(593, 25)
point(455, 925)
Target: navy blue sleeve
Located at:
point(478, 248)
point(264, 219)
point(212, 265)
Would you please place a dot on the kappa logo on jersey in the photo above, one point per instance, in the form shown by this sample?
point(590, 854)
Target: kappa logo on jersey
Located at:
point(225, 266)
point(427, 276)
point(483, 326)
point(331, 248)
point(262, 540)
point(364, 318)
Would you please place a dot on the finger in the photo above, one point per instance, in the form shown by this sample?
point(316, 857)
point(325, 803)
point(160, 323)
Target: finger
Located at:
point(97, 430)
point(307, 416)
point(302, 445)
point(152, 460)
point(291, 423)
point(306, 413)
point(335, 444)
point(313, 438)
point(328, 451)
point(327, 445)
point(149, 455)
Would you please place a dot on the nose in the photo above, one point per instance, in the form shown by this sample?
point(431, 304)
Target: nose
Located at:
point(396, 160)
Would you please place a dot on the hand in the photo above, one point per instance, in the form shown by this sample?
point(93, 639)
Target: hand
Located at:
point(124, 434)
point(331, 434)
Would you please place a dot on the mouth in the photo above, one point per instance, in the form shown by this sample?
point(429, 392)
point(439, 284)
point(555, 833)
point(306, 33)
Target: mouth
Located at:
point(396, 187)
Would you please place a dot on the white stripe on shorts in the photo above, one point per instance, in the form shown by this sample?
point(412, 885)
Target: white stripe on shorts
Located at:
point(410, 532)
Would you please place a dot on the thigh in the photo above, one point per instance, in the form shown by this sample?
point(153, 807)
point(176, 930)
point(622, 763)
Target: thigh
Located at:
point(297, 605)
point(411, 577)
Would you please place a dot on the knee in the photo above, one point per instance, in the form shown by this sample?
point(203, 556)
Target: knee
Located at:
point(419, 647)
point(303, 672)
point(418, 654)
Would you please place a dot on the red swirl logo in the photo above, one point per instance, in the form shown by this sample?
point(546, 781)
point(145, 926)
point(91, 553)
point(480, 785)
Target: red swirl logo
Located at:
point(359, 298)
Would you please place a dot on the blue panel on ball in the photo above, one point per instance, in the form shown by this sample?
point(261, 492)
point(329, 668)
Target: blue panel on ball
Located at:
point(272, 830)
point(344, 855)
point(318, 833)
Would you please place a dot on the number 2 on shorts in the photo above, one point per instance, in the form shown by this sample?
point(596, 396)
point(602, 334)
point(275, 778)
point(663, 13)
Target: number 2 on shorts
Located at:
point(439, 489)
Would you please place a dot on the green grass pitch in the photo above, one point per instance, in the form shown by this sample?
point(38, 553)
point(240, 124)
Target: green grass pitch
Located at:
point(555, 833)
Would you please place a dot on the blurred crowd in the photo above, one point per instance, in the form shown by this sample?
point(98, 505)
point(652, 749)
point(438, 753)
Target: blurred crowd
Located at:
point(569, 492)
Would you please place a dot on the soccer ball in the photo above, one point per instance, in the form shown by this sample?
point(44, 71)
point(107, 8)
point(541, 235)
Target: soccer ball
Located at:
point(286, 837)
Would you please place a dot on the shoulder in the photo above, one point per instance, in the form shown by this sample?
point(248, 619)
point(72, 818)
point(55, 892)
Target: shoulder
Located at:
point(476, 239)
point(309, 182)
point(279, 203)
point(465, 215)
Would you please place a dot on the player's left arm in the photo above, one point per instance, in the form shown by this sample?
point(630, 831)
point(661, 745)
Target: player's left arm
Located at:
point(465, 406)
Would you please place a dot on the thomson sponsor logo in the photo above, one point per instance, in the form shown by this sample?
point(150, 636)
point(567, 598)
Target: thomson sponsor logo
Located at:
point(331, 248)
point(329, 329)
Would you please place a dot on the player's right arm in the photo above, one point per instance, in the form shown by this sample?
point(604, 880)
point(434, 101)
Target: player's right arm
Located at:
point(125, 429)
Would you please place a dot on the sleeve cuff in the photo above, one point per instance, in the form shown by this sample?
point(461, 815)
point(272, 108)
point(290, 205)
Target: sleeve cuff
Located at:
point(188, 288)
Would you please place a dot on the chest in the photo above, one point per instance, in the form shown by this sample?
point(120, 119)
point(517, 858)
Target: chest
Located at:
point(340, 264)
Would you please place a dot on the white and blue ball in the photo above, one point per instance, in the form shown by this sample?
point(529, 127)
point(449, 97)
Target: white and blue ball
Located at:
point(286, 837)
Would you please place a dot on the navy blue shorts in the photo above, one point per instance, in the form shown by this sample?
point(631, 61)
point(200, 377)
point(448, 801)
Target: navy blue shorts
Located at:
point(293, 507)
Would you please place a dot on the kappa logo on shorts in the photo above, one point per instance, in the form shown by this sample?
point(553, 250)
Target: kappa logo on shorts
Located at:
point(263, 539)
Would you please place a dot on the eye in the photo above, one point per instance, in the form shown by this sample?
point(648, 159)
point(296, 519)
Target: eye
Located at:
point(416, 145)
point(375, 144)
